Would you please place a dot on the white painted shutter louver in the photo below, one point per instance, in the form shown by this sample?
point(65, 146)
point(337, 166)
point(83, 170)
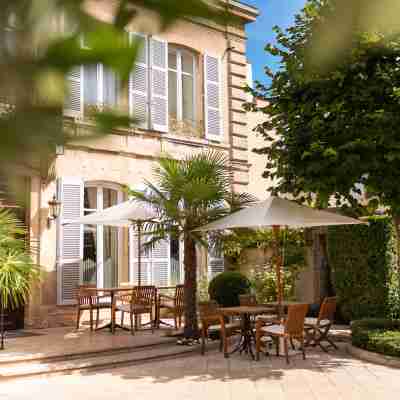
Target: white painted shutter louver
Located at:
point(212, 98)
point(215, 263)
point(161, 263)
point(138, 83)
point(73, 106)
point(70, 239)
point(159, 84)
point(134, 261)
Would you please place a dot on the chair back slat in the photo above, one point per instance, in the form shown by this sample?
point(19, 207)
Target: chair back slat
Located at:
point(179, 297)
point(294, 325)
point(84, 295)
point(247, 300)
point(145, 295)
point(328, 309)
point(209, 312)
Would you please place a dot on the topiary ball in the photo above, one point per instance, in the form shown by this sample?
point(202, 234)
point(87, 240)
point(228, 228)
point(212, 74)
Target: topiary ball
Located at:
point(226, 287)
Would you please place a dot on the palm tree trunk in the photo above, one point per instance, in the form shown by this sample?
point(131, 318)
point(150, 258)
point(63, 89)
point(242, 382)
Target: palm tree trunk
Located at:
point(191, 329)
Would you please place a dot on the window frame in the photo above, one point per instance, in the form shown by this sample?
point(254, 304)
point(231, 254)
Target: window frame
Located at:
point(179, 51)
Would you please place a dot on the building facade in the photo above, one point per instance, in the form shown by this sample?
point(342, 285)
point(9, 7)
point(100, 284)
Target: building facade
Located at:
point(186, 90)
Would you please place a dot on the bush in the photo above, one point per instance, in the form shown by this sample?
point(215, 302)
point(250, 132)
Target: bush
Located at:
point(363, 260)
point(377, 335)
point(226, 287)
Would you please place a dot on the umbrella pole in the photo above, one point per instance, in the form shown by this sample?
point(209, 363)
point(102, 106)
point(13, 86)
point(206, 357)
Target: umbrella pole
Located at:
point(278, 268)
point(139, 229)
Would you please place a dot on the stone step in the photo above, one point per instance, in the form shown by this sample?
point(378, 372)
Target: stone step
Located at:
point(101, 360)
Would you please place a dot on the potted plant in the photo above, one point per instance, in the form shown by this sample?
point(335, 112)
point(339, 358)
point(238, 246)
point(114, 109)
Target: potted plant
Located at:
point(17, 270)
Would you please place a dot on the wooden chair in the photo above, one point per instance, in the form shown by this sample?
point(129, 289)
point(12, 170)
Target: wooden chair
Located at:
point(174, 304)
point(292, 328)
point(140, 301)
point(212, 320)
point(247, 300)
point(317, 329)
point(87, 300)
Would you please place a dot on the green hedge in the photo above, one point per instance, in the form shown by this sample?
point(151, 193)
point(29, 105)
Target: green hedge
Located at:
point(377, 335)
point(363, 260)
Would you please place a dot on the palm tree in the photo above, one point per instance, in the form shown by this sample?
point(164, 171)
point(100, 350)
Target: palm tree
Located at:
point(17, 271)
point(187, 194)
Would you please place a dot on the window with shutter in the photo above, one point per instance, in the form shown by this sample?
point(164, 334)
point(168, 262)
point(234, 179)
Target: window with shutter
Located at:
point(159, 84)
point(215, 262)
point(139, 82)
point(73, 106)
point(212, 98)
point(70, 239)
point(155, 262)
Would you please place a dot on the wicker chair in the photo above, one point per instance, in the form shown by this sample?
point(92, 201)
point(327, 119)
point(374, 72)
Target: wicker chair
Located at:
point(174, 304)
point(86, 300)
point(292, 328)
point(140, 301)
point(212, 320)
point(317, 329)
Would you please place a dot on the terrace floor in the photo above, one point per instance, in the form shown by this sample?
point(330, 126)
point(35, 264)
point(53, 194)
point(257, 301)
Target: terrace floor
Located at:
point(322, 376)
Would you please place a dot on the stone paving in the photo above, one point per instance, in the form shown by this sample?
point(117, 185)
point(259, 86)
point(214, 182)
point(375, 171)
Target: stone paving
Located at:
point(322, 376)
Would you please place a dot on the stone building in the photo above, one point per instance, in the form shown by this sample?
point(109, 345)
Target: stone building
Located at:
point(187, 87)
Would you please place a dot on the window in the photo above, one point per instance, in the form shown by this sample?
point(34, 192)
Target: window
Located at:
point(101, 252)
point(101, 86)
point(181, 84)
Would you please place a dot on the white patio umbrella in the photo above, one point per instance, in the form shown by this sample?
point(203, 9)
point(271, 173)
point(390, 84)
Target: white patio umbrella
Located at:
point(276, 212)
point(126, 214)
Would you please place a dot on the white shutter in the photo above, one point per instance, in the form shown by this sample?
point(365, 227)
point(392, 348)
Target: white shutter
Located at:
point(212, 98)
point(161, 261)
point(139, 82)
point(215, 262)
point(145, 261)
point(73, 106)
point(159, 84)
point(70, 239)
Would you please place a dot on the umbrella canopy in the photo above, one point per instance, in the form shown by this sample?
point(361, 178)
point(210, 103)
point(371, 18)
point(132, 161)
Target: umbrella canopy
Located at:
point(129, 213)
point(276, 213)
point(123, 214)
point(279, 212)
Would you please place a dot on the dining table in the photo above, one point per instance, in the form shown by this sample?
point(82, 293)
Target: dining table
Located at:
point(247, 338)
point(111, 291)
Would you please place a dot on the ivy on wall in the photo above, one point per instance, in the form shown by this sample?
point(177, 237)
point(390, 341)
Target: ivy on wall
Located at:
point(363, 260)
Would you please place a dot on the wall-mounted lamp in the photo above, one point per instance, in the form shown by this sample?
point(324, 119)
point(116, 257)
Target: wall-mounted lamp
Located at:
point(54, 210)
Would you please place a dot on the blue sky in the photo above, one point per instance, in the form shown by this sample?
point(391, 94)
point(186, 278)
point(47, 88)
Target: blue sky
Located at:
point(273, 12)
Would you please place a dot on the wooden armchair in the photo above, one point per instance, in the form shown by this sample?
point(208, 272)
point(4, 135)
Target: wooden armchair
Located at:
point(212, 320)
point(292, 328)
point(140, 301)
point(88, 300)
point(317, 329)
point(174, 304)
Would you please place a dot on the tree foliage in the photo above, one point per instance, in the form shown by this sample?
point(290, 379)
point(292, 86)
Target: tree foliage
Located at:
point(185, 195)
point(333, 131)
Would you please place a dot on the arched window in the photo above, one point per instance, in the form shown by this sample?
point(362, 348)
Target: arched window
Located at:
point(102, 251)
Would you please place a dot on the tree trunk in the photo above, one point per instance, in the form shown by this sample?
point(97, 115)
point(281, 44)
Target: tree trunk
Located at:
point(190, 263)
point(396, 221)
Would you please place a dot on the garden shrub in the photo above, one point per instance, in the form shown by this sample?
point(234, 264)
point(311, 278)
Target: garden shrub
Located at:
point(363, 260)
point(377, 335)
point(226, 287)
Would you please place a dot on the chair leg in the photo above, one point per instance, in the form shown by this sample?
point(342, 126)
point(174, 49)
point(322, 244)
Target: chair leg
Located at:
point(277, 345)
point(91, 318)
point(292, 344)
point(78, 318)
point(303, 350)
point(180, 321)
point(175, 322)
point(97, 317)
point(122, 318)
point(203, 341)
point(286, 346)
point(225, 343)
point(131, 315)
